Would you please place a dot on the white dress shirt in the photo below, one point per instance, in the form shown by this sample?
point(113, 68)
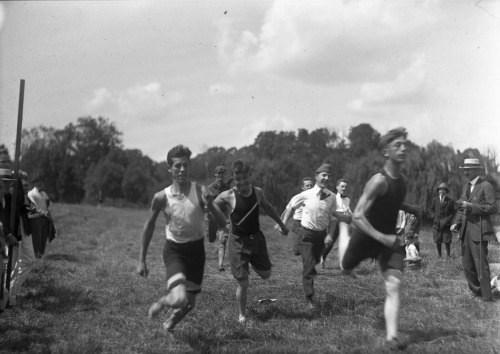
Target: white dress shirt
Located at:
point(316, 213)
point(473, 183)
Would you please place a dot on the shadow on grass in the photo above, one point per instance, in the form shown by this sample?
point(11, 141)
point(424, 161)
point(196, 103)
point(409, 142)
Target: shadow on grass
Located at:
point(209, 341)
point(60, 299)
point(17, 337)
point(272, 311)
point(440, 335)
point(332, 306)
point(62, 257)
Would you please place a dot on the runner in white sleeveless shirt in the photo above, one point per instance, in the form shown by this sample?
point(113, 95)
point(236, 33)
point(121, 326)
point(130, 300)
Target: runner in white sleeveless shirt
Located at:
point(184, 254)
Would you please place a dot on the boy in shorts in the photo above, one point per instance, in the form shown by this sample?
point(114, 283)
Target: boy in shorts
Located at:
point(247, 244)
point(182, 204)
point(375, 219)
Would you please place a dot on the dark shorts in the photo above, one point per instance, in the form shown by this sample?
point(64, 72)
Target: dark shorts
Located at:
point(362, 247)
point(185, 264)
point(248, 249)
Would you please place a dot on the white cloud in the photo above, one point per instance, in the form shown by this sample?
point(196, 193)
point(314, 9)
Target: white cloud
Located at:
point(220, 89)
point(144, 101)
point(100, 97)
point(277, 123)
point(332, 41)
point(411, 86)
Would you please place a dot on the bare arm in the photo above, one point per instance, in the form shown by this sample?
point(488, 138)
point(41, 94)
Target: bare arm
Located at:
point(412, 209)
point(158, 204)
point(269, 209)
point(213, 208)
point(375, 187)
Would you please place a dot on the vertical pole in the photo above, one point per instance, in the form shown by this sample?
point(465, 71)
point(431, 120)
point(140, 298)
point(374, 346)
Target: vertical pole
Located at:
point(15, 187)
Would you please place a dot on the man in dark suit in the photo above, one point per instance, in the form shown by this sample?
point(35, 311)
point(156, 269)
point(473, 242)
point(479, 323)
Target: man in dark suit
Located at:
point(442, 211)
point(475, 227)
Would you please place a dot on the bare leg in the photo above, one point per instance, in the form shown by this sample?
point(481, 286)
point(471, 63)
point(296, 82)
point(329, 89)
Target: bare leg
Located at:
point(179, 313)
point(343, 240)
point(241, 298)
point(222, 250)
point(175, 299)
point(392, 304)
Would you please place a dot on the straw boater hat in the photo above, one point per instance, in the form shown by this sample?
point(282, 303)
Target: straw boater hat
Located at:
point(471, 163)
point(443, 186)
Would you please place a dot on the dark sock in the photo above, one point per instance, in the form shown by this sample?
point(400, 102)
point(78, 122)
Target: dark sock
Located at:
point(438, 245)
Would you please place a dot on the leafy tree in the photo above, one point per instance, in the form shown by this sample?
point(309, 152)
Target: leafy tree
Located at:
point(363, 138)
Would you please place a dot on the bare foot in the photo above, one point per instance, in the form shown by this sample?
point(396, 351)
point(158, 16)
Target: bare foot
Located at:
point(167, 326)
point(155, 309)
point(242, 319)
point(309, 304)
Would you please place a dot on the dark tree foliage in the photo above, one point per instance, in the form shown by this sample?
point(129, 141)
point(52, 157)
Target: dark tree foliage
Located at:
point(83, 158)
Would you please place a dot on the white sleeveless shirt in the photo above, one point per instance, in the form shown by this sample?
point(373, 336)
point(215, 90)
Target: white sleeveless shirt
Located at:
point(187, 222)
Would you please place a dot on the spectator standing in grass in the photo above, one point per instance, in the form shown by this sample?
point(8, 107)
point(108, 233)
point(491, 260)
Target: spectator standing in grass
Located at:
point(247, 244)
point(473, 223)
point(375, 236)
point(222, 233)
point(442, 211)
point(319, 209)
point(183, 204)
point(23, 256)
point(307, 183)
point(343, 207)
point(42, 226)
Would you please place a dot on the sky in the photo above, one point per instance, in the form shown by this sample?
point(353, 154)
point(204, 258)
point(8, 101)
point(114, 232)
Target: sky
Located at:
point(216, 73)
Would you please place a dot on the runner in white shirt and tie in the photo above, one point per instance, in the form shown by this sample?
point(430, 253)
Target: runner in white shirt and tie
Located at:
point(319, 209)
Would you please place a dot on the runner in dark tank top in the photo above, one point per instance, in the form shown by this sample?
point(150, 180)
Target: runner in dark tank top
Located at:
point(246, 244)
point(245, 206)
point(375, 218)
point(383, 213)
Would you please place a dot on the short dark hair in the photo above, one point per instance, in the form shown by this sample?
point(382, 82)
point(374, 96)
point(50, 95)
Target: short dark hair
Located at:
point(178, 151)
point(239, 166)
point(305, 179)
point(392, 135)
point(341, 180)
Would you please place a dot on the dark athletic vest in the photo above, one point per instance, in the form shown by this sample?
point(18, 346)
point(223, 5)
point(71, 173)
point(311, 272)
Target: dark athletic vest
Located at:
point(383, 213)
point(250, 225)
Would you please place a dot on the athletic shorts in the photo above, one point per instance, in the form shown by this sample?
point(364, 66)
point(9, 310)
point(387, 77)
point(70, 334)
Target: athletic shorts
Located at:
point(184, 264)
point(248, 249)
point(362, 246)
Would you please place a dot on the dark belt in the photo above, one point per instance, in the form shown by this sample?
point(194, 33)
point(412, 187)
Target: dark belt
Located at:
point(251, 237)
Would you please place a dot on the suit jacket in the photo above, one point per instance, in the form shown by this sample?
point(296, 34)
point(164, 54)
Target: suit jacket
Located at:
point(442, 213)
point(21, 211)
point(477, 219)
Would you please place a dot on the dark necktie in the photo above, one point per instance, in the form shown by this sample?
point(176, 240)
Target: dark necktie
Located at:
point(323, 195)
point(467, 192)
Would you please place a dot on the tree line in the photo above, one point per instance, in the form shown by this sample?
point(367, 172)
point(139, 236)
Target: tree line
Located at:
point(87, 156)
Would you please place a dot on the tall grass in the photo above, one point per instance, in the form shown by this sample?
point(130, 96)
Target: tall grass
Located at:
point(84, 297)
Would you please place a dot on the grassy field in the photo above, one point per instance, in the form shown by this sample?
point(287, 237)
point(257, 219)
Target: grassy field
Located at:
point(84, 297)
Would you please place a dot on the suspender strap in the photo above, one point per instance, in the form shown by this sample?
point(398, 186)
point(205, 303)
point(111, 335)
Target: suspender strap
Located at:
point(243, 218)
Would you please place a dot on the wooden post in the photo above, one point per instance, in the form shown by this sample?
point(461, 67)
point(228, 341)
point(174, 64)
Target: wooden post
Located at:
point(15, 187)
